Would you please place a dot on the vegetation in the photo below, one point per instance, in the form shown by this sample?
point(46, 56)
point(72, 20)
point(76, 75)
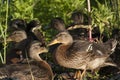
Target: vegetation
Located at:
point(104, 13)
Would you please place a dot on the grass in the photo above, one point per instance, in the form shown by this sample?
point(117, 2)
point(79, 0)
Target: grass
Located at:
point(3, 30)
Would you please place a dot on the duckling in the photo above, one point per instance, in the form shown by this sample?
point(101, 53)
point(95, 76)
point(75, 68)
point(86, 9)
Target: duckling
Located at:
point(83, 55)
point(33, 31)
point(77, 34)
point(58, 24)
point(80, 28)
point(31, 24)
point(37, 69)
point(78, 19)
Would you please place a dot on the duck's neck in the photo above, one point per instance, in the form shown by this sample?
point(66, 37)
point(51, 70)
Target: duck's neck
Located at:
point(61, 29)
point(47, 67)
point(61, 53)
point(43, 64)
point(36, 57)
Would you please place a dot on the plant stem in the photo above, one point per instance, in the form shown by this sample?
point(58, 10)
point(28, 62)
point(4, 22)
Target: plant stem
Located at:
point(89, 21)
point(5, 34)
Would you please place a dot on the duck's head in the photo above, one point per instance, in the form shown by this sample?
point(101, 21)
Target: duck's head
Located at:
point(63, 37)
point(58, 24)
point(35, 49)
point(17, 36)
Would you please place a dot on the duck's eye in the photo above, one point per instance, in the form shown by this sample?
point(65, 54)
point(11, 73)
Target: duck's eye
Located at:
point(36, 47)
point(14, 33)
point(65, 35)
point(42, 45)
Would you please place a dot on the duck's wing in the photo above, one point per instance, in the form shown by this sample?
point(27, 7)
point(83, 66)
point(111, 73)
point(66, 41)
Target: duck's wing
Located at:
point(96, 49)
point(102, 49)
point(80, 48)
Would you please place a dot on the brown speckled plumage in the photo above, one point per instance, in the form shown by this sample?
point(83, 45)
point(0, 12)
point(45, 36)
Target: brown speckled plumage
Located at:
point(81, 54)
point(39, 68)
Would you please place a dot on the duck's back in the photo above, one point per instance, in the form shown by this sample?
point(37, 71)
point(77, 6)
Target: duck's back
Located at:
point(26, 71)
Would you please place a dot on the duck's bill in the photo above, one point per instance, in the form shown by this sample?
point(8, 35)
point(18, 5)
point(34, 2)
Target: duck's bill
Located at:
point(9, 39)
point(45, 50)
point(55, 41)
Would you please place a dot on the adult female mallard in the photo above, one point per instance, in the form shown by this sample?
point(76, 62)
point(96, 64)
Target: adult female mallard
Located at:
point(37, 69)
point(83, 55)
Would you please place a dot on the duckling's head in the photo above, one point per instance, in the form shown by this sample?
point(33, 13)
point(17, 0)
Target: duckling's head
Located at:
point(17, 36)
point(63, 38)
point(32, 24)
point(35, 49)
point(17, 24)
point(58, 24)
point(77, 17)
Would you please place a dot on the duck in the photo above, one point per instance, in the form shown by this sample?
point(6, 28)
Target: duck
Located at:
point(19, 45)
point(84, 55)
point(20, 39)
point(34, 69)
point(17, 36)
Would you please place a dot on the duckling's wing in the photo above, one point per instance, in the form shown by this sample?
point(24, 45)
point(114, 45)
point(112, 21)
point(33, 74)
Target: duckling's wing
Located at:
point(39, 35)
